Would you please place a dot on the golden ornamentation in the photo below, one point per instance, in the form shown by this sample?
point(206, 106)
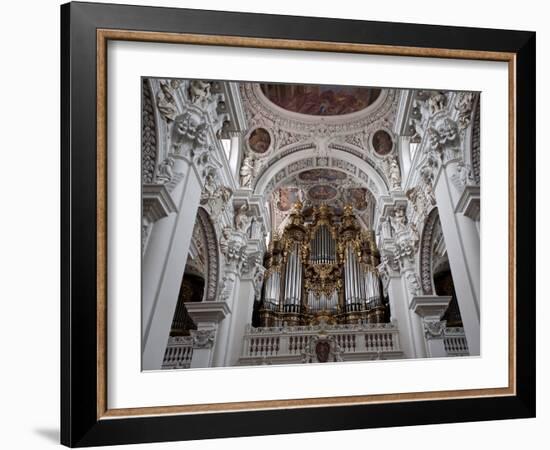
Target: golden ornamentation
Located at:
point(327, 277)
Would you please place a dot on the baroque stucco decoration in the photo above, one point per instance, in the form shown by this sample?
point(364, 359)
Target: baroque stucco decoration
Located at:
point(148, 135)
point(292, 132)
point(426, 252)
point(213, 260)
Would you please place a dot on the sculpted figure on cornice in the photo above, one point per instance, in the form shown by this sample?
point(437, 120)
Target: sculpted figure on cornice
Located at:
point(165, 171)
point(384, 228)
point(399, 219)
point(214, 196)
point(394, 174)
point(247, 171)
point(199, 91)
point(242, 219)
point(464, 104)
point(166, 102)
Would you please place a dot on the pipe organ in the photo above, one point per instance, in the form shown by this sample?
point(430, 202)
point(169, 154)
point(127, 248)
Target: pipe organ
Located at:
point(322, 268)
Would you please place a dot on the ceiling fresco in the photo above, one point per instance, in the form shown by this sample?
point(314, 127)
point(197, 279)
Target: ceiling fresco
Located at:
point(321, 186)
point(317, 175)
point(322, 192)
point(319, 100)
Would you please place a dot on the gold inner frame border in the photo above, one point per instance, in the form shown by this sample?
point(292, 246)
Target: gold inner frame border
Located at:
point(105, 35)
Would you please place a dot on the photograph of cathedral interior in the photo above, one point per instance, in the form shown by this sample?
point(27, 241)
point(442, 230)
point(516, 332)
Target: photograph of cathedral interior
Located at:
point(295, 224)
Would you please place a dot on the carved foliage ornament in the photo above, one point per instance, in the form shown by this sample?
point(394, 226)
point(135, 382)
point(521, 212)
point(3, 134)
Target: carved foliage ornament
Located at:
point(434, 329)
point(207, 229)
point(148, 135)
point(426, 252)
point(203, 338)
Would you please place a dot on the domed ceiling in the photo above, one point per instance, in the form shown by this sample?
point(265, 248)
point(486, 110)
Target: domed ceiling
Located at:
point(320, 100)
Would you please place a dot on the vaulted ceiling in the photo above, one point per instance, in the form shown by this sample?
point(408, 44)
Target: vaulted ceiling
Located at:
point(305, 124)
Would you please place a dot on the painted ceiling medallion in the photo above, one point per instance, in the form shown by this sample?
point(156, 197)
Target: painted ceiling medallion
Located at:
point(322, 192)
point(321, 174)
point(259, 140)
point(382, 142)
point(318, 100)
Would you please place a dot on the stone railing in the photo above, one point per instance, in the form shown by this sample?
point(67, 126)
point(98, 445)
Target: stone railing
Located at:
point(288, 344)
point(455, 342)
point(179, 352)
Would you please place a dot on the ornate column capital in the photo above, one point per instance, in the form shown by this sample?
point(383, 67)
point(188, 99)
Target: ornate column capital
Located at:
point(203, 338)
point(434, 329)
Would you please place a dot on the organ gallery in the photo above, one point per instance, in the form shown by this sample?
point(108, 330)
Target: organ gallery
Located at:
point(322, 268)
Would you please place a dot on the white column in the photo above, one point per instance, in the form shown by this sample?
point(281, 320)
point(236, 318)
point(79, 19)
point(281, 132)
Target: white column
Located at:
point(222, 344)
point(243, 304)
point(235, 154)
point(164, 264)
point(463, 248)
point(404, 143)
point(203, 342)
point(209, 316)
point(429, 310)
point(399, 309)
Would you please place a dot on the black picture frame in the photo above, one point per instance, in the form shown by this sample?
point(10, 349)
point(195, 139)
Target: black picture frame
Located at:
point(81, 425)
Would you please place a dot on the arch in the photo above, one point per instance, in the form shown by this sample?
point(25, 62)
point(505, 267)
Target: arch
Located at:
point(475, 143)
point(426, 254)
point(304, 157)
point(211, 250)
point(149, 134)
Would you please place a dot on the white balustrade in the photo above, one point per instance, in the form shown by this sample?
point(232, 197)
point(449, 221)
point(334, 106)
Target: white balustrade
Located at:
point(355, 341)
point(455, 342)
point(179, 352)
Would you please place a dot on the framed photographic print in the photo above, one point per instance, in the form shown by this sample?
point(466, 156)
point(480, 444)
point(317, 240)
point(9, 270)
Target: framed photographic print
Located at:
point(277, 224)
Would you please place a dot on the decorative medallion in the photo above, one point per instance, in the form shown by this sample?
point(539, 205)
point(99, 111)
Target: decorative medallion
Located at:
point(382, 142)
point(259, 140)
point(322, 192)
point(322, 350)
